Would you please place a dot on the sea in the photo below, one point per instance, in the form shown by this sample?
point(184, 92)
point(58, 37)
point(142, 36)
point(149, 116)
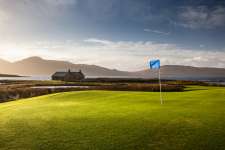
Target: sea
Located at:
point(29, 78)
point(44, 78)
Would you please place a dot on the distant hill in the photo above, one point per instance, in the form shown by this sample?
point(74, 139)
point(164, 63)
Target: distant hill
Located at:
point(39, 66)
point(185, 72)
point(9, 75)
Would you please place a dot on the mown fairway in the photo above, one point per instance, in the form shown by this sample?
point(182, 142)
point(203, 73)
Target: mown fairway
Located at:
point(106, 120)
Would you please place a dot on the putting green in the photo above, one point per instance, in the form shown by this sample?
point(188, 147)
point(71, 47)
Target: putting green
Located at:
point(109, 120)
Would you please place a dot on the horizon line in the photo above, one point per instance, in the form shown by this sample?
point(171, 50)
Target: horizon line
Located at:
point(68, 61)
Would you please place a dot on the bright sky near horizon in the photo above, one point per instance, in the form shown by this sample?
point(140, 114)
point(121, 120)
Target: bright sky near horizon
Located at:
point(121, 34)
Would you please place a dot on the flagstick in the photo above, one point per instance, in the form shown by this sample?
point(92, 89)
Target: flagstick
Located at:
point(160, 88)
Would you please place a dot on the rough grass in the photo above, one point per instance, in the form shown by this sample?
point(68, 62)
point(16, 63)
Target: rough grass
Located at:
point(107, 120)
point(19, 90)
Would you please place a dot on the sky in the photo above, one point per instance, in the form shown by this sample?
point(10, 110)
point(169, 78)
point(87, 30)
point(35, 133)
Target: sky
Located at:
point(118, 34)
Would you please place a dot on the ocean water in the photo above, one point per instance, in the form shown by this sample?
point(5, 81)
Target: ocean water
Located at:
point(43, 78)
point(60, 87)
point(220, 83)
point(38, 78)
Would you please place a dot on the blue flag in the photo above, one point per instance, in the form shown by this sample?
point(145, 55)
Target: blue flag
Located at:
point(155, 64)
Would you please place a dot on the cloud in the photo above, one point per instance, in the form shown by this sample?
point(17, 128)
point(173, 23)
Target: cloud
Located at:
point(30, 8)
point(29, 18)
point(98, 41)
point(3, 17)
point(123, 55)
point(129, 55)
point(157, 31)
point(61, 2)
point(202, 17)
point(201, 45)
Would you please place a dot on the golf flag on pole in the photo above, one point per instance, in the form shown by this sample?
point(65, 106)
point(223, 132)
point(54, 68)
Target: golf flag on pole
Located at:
point(155, 64)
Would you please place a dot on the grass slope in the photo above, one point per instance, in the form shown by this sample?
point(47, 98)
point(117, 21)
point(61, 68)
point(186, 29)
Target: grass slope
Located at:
point(107, 120)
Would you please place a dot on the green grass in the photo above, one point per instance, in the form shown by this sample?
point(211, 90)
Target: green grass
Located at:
point(107, 120)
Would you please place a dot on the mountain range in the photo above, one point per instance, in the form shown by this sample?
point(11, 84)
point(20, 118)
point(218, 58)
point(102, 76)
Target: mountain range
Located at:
point(38, 66)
